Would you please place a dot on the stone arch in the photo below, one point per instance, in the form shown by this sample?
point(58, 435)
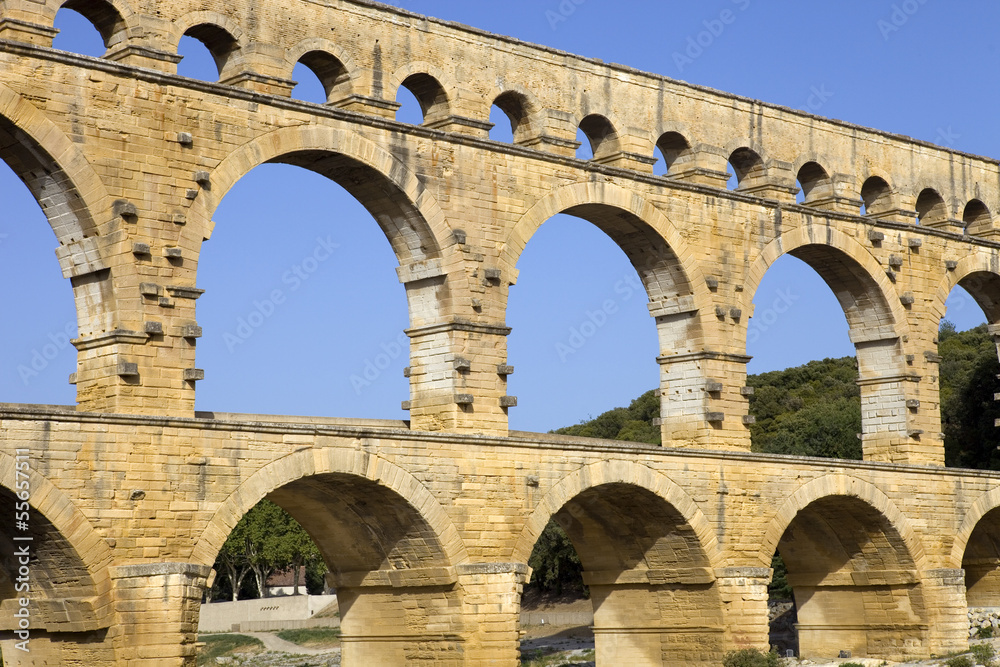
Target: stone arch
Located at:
point(603, 134)
point(113, 19)
point(871, 283)
point(82, 573)
point(434, 89)
point(380, 477)
point(833, 485)
point(814, 180)
point(877, 195)
point(678, 294)
point(983, 505)
point(752, 163)
point(877, 321)
point(976, 217)
point(220, 34)
point(931, 207)
point(676, 146)
point(577, 198)
point(71, 195)
point(414, 224)
point(45, 146)
point(615, 472)
point(856, 568)
point(337, 71)
point(522, 108)
point(647, 553)
point(392, 549)
point(184, 23)
point(978, 274)
point(980, 557)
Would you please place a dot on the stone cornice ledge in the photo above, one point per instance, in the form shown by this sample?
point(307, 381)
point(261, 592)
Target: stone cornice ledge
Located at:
point(517, 440)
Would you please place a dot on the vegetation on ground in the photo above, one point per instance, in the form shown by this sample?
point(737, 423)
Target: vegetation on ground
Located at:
point(983, 653)
point(539, 658)
point(960, 661)
point(217, 646)
point(312, 637)
point(752, 657)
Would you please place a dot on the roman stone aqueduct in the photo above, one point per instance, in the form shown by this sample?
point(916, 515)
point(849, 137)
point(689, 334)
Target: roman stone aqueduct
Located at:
point(427, 525)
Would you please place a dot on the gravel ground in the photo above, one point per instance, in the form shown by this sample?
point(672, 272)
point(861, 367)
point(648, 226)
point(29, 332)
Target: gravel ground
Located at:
point(570, 644)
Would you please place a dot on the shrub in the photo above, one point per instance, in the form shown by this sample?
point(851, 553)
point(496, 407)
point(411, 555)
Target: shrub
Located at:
point(984, 633)
point(960, 661)
point(751, 657)
point(983, 653)
point(851, 664)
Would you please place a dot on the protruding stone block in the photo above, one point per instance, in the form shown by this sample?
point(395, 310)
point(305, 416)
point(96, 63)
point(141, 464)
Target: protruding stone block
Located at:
point(127, 369)
point(149, 289)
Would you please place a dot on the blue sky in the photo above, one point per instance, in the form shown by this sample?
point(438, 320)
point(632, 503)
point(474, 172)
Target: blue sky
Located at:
point(333, 345)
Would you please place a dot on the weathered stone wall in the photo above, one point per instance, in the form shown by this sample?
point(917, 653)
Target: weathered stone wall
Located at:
point(669, 538)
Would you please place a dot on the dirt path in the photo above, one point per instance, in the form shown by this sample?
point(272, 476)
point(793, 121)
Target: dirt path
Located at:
point(274, 643)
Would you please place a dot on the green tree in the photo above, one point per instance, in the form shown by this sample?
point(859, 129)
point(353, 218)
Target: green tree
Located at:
point(265, 540)
point(294, 548)
point(232, 563)
point(810, 410)
point(555, 564)
point(968, 384)
point(634, 423)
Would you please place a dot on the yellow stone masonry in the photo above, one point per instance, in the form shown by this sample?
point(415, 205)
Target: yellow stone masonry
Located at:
point(428, 525)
